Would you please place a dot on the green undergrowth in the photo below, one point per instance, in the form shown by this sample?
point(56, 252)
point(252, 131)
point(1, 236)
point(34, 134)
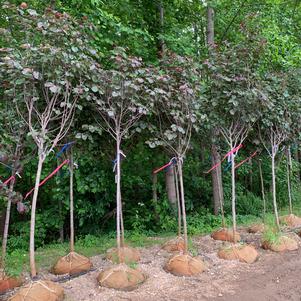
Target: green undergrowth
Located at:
point(17, 260)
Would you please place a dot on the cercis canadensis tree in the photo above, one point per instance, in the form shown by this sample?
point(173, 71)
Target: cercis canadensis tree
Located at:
point(121, 98)
point(44, 78)
point(176, 112)
point(233, 100)
point(279, 124)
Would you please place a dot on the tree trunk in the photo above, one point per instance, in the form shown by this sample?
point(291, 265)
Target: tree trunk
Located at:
point(170, 187)
point(178, 202)
point(71, 203)
point(155, 182)
point(218, 194)
point(233, 195)
point(183, 206)
point(274, 190)
point(161, 40)
point(118, 198)
point(288, 173)
point(262, 190)
point(6, 225)
point(210, 26)
point(33, 270)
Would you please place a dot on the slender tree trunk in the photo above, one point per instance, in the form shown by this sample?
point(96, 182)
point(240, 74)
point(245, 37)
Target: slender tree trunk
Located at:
point(170, 187)
point(71, 203)
point(121, 221)
point(180, 163)
point(274, 191)
point(6, 225)
point(233, 194)
point(288, 173)
point(33, 270)
point(262, 190)
point(178, 202)
point(118, 197)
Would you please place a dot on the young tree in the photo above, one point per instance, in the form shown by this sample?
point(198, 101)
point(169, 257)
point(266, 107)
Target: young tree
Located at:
point(121, 98)
point(176, 113)
point(45, 78)
point(275, 125)
point(233, 101)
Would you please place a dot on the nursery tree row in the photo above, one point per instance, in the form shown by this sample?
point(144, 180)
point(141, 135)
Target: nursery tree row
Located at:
point(129, 86)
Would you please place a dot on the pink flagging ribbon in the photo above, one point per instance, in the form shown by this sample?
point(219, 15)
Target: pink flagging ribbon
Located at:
point(47, 178)
point(172, 160)
point(232, 151)
point(12, 178)
point(242, 162)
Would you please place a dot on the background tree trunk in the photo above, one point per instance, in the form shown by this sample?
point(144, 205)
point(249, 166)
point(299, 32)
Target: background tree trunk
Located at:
point(171, 187)
point(33, 269)
point(178, 202)
point(218, 193)
point(183, 206)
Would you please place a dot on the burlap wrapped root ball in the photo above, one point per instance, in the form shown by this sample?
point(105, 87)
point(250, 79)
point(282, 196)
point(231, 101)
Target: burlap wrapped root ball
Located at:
point(283, 243)
point(184, 265)
point(291, 220)
point(174, 245)
point(225, 235)
point(121, 277)
point(8, 283)
point(127, 255)
point(256, 228)
point(243, 253)
point(40, 291)
point(72, 264)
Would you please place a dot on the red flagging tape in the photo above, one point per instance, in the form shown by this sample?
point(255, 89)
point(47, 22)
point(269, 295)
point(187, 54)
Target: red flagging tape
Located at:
point(242, 162)
point(232, 151)
point(161, 168)
point(47, 178)
point(12, 178)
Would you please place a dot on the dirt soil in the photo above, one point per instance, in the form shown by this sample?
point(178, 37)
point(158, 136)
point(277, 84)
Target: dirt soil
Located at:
point(275, 276)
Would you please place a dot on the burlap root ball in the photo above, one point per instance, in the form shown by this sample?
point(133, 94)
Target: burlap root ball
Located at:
point(72, 264)
point(174, 245)
point(8, 283)
point(127, 254)
point(184, 265)
point(291, 220)
point(243, 253)
point(284, 243)
point(39, 291)
point(225, 235)
point(121, 277)
point(256, 228)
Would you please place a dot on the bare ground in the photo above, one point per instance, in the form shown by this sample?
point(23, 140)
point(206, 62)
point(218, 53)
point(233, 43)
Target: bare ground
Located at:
point(273, 277)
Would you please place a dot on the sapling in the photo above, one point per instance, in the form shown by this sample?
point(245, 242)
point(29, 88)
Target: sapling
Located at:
point(121, 99)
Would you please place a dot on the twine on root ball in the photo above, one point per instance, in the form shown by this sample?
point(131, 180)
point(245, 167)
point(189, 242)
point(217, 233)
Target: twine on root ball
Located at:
point(39, 291)
point(121, 277)
point(73, 263)
point(184, 265)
